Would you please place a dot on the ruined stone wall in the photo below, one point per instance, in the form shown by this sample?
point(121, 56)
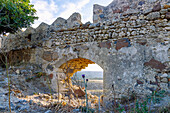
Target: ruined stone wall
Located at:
point(153, 24)
point(132, 50)
point(122, 8)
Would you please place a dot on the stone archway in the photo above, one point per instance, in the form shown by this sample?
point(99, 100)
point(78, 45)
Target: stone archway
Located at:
point(66, 71)
point(74, 65)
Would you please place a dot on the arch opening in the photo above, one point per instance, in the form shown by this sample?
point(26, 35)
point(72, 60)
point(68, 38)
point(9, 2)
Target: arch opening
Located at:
point(94, 74)
point(73, 70)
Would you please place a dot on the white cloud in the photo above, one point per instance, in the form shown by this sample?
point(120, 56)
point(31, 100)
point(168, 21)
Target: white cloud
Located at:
point(73, 7)
point(49, 10)
point(45, 11)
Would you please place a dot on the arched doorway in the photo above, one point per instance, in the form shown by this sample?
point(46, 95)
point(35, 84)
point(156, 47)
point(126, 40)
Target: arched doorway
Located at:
point(74, 68)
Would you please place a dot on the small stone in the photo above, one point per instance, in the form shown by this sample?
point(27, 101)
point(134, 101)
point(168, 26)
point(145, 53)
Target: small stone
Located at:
point(18, 107)
point(133, 33)
point(48, 111)
point(76, 110)
point(106, 44)
point(162, 16)
point(50, 67)
point(51, 76)
point(86, 25)
point(71, 96)
point(141, 3)
point(141, 17)
point(142, 32)
point(116, 11)
point(154, 15)
point(147, 11)
point(2, 108)
point(153, 83)
point(31, 102)
point(121, 34)
point(128, 33)
point(114, 34)
point(151, 1)
point(167, 16)
point(166, 6)
point(122, 25)
point(164, 75)
point(165, 80)
point(133, 17)
point(157, 7)
point(139, 82)
point(101, 16)
point(79, 92)
point(125, 19)
point(167, 28)
point(141, 41)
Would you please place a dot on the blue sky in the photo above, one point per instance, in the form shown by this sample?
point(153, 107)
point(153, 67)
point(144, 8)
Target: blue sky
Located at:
point(49, 10)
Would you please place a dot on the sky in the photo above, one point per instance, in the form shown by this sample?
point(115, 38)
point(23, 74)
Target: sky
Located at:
point(49, 10)
point(93, 67)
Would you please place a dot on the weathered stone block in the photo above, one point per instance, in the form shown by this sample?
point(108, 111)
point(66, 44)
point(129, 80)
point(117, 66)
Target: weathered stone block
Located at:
point(154, 15)
point(157, 7)
point(155, 64)
point(55, 56)
point(166, 6)
point(122, 43)
point(51, 76)
point(142, 41)
point(43, 26)
point(74, 20)
point(79, 92)
point(139, 82)
point(59, 22)
point(167, 16)
point(106, 44)
point(49, 56)
point(50, 67)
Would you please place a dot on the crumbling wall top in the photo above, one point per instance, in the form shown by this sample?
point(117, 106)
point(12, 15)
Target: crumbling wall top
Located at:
point(118, 8)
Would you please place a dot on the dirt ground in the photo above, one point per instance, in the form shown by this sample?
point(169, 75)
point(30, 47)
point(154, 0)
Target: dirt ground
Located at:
point(94, 86)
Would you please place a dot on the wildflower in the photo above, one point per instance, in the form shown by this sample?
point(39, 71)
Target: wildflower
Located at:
point(87, 80)
point(83, 76)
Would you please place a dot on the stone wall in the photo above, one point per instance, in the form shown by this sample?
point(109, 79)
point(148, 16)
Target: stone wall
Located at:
point(122, 8)
point(133, 50)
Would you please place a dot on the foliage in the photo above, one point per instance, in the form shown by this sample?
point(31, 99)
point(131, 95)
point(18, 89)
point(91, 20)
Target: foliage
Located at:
point(165, 109)
point(120, 109)
point(156, 96)
point(15, 14)
point(84, 109)
point(36, 75)
point(39, 74)
point(142, 106)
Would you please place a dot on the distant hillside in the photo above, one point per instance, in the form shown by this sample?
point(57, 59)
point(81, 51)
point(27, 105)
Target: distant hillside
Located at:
point(89, 74)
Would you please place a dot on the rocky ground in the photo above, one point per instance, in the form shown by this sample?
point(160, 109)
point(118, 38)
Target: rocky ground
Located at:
point(34, 96)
